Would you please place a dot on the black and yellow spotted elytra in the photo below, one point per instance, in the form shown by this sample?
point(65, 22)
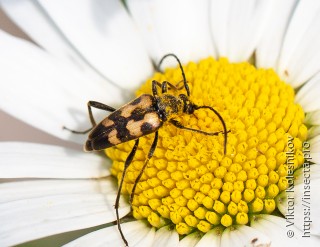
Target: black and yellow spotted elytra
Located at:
point(138, 118)
point(142, 116)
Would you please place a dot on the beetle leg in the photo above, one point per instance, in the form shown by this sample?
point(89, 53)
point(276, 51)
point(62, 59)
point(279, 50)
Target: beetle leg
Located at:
point(76, 131)
point(180, 126)
point(100, 106)
point(179, 87)
point(164, 86)
point(116, 206)
point(93, 104)
point(154, 87)
point(150, 154)
point(165, 89)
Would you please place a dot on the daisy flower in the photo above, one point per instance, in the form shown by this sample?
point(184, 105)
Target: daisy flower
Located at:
point(255, 62)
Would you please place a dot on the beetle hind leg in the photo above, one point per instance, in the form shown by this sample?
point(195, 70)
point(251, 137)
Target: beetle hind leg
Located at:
point(76, 131)
point(92, 104)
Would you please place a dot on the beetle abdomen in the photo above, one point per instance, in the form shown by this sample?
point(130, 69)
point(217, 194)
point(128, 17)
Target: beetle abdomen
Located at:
point(131, 121)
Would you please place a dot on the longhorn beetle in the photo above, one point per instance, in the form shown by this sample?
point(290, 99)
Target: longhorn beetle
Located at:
point(142, 116)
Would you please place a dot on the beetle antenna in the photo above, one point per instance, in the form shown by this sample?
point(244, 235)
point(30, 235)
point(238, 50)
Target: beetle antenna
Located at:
point(225, 132)
point(181, 68)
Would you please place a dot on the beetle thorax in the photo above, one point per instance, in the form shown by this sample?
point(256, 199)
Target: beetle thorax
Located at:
point(170, 105)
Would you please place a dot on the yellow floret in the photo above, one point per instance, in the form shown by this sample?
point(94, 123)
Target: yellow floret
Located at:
point(189, 182)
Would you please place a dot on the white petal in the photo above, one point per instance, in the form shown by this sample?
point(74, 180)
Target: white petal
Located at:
point(306, 170)
point(270, 44)
point(179, 27)
point(136, 233)
point(30, 219)
point(237, 26)
point(104, 34)
point(314, 149)
point(311, 241)
point(308, 96)
point(301, 204)
point(33, 20)
point(313, 118)
point(47, 93)
point(166, 237)
point(275, 228)
point(211, 238)
point(314, 131)
point(300, 51)
point(31, 189)
point(190, 240)
point(22, 160)
point(243, 236)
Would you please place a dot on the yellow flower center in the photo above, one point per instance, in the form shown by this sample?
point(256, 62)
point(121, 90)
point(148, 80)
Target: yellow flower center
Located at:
point(189, 182)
